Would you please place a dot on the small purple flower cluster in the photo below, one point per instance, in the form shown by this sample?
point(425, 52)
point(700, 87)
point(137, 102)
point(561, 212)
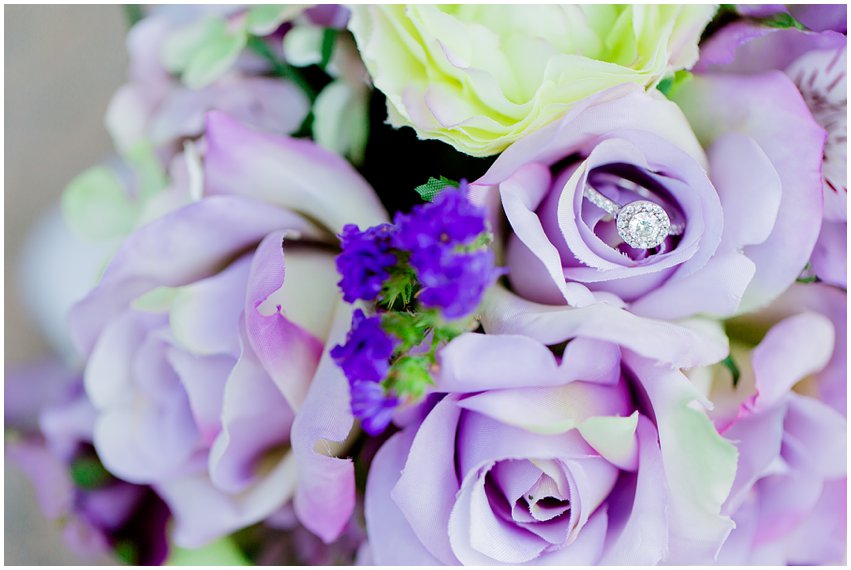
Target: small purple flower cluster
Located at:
point(441, 238)
point(365, 261)
point(437, 255)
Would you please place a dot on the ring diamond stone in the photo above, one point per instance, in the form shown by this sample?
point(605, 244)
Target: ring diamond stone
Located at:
point(642, 224)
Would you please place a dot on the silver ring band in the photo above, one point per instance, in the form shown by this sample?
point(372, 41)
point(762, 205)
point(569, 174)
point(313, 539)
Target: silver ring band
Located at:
point(642, 224)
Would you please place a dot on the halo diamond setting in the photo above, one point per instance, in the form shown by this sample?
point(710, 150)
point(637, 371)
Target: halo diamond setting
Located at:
point(643, 224)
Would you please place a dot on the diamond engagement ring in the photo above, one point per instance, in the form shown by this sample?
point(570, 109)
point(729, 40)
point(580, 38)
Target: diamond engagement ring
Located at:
point(642, 224)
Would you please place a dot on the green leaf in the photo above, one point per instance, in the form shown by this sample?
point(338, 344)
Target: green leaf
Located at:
point(411, 375)
point(398, 290)
point(783, 20)
point(731, 365)
point(403, 326)
point(329, 37)
point(223, 552)
point(281, 68)
point(431, 188)
point(671, 84)
point(89, 473)
point(96, 205)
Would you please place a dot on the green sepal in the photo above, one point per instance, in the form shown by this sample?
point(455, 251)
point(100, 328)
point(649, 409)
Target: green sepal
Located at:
point(127, 552)
point(411, 376)
point(731, 365)
point(404, 326)
point(329, 38)
point(783, 20)
point(399, 289)
point(433, 187)
point(673, 83)
point(89, 473)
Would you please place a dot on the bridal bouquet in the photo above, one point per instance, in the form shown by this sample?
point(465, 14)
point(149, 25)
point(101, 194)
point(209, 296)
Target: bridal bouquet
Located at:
point(456, 285)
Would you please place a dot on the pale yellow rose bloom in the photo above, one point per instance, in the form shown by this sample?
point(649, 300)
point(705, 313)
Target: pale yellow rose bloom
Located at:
point(480, 77)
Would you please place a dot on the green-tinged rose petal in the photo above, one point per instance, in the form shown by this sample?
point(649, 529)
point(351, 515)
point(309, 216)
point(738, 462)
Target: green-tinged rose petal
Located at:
point(264, 19)
point(203, 52)
point(700, 465)
point(341, 121)
point(550, 410)
point(614, 438)
point(157, 301)
point(151, 178)
point(97, 206)
point(303, 46)
point(223, 552)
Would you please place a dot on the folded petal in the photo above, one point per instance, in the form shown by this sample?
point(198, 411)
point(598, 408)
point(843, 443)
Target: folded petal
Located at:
point(699, 465)
point(383, 517)
point(325, 496)
point(289, 353)
point(769, 109)
point(294, 173)
point(682, 346)
point(176, 249)
point(792, 350)
point(202, 513)
point(474, 362)
point(255, 418)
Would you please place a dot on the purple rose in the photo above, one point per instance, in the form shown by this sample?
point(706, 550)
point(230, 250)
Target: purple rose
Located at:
point(817, 17)
point(728, 223)
point(786, 416)
point(816, 63)
point(52, 419)
point(206, 340)
point(537, 457)
point(158, 109)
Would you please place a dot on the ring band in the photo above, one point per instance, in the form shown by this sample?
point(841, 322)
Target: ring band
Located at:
point(642, 224)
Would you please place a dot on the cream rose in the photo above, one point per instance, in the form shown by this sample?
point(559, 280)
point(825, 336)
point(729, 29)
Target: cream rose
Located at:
point(480, 77)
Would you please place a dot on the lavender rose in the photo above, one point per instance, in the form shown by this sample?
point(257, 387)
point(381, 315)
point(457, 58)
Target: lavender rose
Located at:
point(786, 416)
point(729, 217)
point(49, 422)
point(591, 457)
point(206, 340)
point(816, 63)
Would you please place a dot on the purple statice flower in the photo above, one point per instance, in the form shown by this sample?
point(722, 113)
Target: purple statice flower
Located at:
point(450, 220)
point(365, 261)
point(436, 235)
point(367, 351)
point(372, 406)
point(455, 282)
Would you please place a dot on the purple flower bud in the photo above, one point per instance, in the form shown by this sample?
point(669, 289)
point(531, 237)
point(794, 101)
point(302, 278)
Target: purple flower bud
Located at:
point(372, 406)
point(436, 235)
point(365, 261)
point(367, 351)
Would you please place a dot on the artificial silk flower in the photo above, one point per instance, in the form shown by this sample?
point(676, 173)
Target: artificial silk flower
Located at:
point(817, 64)
point(531, 457)
point(426, 273)
point(784, 409)
point(480, 77)
point(205, 336)
point(50, 420)
point(747, 208)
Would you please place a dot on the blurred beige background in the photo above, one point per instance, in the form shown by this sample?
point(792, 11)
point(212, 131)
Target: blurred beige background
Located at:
point(62, 65)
